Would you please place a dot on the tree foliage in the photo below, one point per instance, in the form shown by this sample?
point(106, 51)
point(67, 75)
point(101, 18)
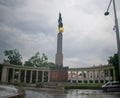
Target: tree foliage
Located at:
point(113, 60)
point(37, 61)
point(13, 56)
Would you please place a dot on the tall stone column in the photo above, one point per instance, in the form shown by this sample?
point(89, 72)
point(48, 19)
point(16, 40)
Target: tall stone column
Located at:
point(93, 76)
point(4, 74)
point(59, 55)
point(99, 76)
point(48, 76)
point(77, 76)
point(104, 78)
point(88, 76)
point(42, 76)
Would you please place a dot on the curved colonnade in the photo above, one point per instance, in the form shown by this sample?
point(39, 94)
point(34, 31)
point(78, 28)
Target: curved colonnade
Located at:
point(23, 74)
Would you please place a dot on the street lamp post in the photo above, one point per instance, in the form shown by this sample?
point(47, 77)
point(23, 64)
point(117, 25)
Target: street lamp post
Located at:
point(116, 29)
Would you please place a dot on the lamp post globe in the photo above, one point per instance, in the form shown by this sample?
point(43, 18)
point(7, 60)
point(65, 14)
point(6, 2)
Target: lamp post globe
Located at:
point(106, 13)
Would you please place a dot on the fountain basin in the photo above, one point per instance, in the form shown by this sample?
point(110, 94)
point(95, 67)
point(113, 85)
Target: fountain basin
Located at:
point(10, 91)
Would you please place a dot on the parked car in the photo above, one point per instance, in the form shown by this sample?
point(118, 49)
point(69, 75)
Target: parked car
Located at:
point(111, 86)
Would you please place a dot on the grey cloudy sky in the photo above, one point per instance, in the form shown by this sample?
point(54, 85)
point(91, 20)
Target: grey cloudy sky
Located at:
point(31, 26)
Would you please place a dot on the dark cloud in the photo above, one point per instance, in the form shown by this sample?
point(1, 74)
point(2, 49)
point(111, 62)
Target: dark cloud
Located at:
point(12, 3)
point(31, 26)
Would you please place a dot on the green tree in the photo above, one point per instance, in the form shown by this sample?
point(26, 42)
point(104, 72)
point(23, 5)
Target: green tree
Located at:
point(13, 56)
point(51, 64)
point(113, 60)
point(37, 61)
point(34, 60)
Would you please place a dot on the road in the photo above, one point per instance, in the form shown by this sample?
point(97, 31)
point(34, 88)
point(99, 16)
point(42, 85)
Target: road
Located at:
point(54, 93)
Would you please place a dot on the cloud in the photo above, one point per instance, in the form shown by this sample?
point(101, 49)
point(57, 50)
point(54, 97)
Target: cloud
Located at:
point(31, 26)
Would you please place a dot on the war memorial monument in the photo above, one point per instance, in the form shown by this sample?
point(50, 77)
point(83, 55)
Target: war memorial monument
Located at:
point(23, 74)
